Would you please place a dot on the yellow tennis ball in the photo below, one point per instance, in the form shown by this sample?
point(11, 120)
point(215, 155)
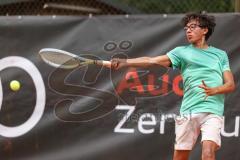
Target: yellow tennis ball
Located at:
point(15, 85)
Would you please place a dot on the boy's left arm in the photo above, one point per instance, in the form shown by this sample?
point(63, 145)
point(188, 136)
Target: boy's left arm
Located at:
point(227, 87)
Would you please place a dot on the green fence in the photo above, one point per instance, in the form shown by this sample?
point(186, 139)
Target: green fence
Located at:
point(114, 7)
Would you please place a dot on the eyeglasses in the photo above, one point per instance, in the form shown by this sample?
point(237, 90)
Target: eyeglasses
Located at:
point(191, 27)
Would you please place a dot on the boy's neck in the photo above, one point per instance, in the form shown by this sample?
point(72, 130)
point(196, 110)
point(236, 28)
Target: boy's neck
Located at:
point(202, 44)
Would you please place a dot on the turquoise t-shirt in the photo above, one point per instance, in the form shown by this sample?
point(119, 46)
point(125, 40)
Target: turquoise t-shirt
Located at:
point(196, 65)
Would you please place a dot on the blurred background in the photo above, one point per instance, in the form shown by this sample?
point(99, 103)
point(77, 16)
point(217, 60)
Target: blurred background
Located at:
point(114, 7)
point(58, 131)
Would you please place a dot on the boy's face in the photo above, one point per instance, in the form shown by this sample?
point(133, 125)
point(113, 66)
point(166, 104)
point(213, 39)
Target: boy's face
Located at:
point(194, 32)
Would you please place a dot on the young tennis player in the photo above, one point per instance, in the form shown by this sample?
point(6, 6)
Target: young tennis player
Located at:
point(206, 78)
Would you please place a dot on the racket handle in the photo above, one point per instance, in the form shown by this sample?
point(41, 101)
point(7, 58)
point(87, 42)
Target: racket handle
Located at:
point(103, 63)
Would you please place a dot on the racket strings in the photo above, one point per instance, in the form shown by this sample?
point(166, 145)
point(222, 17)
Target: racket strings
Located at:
point(63, 59)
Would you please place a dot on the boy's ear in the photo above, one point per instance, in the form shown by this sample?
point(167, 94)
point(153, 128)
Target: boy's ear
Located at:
point(205, 30)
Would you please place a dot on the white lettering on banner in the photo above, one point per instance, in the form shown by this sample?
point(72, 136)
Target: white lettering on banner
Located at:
point(235, 133)
point(152, 121)
point(30, 68)
point(164, 118)
point(1, 92)
point(130, 110)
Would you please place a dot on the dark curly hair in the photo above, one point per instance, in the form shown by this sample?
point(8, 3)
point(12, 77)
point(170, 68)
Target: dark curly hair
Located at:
point(205, 21)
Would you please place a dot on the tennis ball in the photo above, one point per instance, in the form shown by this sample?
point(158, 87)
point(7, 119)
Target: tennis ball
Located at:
point(15, 85)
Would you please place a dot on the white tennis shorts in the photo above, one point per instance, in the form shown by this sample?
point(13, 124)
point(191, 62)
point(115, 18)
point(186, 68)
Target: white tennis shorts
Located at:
point(188, 128)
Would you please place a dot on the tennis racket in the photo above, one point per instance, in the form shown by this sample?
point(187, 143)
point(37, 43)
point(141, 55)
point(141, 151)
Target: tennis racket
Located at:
point(63, 59)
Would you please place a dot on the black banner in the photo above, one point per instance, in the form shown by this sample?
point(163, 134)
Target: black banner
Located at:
point(95, 113)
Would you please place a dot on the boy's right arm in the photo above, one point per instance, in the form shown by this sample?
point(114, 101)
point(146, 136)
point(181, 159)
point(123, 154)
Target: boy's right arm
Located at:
point(144, 62)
